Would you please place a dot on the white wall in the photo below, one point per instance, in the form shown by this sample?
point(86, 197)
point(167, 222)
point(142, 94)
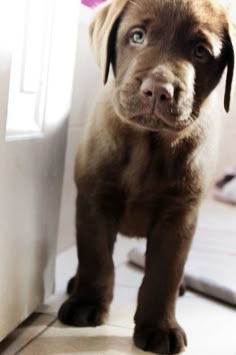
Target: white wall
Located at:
point(32, 165)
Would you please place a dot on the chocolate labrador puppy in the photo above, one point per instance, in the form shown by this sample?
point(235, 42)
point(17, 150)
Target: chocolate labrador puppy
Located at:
point(147, 155)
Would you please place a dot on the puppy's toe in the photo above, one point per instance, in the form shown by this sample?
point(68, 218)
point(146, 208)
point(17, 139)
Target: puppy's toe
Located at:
point(81, 314)
point(161, 340)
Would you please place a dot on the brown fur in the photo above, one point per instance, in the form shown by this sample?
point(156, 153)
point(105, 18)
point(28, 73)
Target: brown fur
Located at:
point(142, 171)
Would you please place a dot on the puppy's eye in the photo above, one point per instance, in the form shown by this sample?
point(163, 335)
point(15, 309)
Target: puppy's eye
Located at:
point(137, 36)
point(201, 53)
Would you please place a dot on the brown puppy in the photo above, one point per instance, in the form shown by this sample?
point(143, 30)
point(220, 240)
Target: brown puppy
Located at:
point(147, 155)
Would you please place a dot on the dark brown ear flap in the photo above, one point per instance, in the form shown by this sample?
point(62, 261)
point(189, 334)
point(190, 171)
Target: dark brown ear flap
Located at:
point(111, 50)
point(230, 75)
point(103, 33)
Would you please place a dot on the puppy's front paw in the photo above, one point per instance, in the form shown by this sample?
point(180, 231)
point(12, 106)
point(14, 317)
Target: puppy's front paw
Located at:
point(161, 340)
point(81, 314)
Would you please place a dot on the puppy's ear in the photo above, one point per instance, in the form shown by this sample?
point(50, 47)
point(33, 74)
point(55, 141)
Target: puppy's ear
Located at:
point(230, 8)
point(103, 31)
point(230, 78)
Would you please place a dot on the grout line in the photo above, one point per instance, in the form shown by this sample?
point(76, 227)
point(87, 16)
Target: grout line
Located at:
point(120, 326)
point(37, 335)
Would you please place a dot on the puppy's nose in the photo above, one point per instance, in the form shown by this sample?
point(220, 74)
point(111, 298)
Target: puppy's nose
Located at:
point(154, 90)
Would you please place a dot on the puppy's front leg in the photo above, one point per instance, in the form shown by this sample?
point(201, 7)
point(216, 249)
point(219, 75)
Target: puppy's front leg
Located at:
point(93, 285)
point(168, 244)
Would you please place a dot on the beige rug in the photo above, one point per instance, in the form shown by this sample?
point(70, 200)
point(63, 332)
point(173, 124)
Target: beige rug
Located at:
point(211, 266)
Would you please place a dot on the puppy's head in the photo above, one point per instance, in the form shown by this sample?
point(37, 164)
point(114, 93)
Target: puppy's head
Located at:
point(167, 58)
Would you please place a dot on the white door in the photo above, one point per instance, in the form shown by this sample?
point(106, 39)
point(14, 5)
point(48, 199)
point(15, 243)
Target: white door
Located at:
point(37, 50)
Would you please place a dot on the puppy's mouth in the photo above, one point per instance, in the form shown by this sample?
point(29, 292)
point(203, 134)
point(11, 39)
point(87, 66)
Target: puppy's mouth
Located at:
point(159, 121)
point(155, 119)
point(172, 117)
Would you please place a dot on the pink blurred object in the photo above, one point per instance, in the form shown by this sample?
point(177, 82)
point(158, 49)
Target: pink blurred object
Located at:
point(92, 3)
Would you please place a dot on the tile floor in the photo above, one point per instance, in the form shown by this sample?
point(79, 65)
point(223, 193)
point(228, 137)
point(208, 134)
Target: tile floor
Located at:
point(210, 325)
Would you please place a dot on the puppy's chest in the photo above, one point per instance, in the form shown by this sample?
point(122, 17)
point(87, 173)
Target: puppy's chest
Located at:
point(150, 170)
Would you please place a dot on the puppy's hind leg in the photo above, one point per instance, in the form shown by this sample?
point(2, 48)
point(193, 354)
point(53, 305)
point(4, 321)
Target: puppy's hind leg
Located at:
point(91, 290)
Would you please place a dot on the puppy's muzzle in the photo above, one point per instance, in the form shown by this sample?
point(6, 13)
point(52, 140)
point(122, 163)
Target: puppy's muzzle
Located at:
point(158, 97)
point(156, 92)
point(162, 100)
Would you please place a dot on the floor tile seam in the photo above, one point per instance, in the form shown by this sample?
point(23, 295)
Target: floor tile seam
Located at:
point(47, 326)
